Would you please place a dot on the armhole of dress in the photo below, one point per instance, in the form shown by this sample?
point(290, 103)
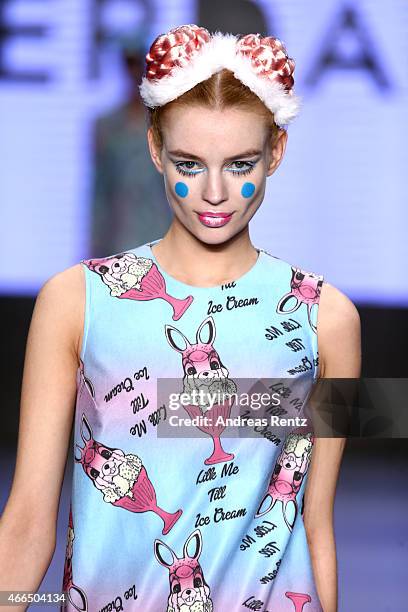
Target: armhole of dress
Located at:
point(314, 317)
point(87, 312)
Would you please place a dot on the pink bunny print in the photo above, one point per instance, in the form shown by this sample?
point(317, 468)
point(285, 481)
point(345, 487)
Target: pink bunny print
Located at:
point(75, 595)
point(122, 479)
point(189, 591)
point(136, 278)
point(204, 372)
point(287, 476)
point(305, 288)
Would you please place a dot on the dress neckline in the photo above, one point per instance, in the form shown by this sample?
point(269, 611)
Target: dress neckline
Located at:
point(244, 277)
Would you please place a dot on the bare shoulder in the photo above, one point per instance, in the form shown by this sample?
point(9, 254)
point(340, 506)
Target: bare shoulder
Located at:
point(47, 402)
point(70, 278)
point(62, 298)
point(339, 334)
point(336, 308)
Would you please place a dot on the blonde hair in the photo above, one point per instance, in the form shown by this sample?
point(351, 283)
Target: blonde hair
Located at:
point(222, 90)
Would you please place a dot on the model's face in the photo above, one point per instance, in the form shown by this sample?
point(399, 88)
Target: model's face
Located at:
point(215, 164)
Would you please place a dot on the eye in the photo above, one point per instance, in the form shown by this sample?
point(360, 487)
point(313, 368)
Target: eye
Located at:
point(176, 588)
point(240, 169)
point(299, 276)
point(197, 582)
point(94, 473)
point(187, 170)
point(214, 364)
point(191, 370)
point(106, 454)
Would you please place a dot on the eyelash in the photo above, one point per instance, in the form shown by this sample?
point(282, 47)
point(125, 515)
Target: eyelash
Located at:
point(193, 174)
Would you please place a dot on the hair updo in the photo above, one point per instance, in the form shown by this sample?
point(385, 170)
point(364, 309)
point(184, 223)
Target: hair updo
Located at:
point(222, 90)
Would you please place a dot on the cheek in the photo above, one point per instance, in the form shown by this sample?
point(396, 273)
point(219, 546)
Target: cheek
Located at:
point(181, 189)
point(247, 190)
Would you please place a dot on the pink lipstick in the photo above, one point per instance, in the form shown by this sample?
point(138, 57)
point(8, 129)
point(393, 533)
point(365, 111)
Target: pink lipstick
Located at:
point(214, 219)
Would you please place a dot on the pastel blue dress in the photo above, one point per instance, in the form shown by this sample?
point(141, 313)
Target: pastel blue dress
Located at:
point(194, 505)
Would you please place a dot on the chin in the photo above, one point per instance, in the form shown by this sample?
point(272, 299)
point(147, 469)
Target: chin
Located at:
point(214, 236)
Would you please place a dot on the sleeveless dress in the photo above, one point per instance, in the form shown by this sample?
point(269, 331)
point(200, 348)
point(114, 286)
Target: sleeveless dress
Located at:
point(208, 516)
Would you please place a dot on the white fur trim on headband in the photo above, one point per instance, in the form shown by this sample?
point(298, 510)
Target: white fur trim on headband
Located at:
point(218, 53)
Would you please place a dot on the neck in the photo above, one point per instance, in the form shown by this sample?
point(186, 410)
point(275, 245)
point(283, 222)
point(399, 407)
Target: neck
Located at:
point(192, 261)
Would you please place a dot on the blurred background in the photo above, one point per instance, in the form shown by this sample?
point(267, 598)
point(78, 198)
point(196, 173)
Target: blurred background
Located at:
point(76, 181)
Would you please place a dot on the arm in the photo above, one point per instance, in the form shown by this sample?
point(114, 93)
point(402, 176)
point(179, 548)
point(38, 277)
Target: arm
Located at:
point(28, 522)
point(339, 348)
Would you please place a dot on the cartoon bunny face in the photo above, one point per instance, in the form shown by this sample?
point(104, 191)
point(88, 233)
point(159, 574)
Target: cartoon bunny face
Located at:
point(305, 286)
point(202, 366)
point(123, 271)
point(199, 363)
point(105, 464)
point(115, 266)
point(200, 360)
point(100, 463)
point(187, 585)
point(290, 461)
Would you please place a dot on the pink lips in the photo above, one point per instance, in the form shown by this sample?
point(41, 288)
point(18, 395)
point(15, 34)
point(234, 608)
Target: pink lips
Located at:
point(214, 219)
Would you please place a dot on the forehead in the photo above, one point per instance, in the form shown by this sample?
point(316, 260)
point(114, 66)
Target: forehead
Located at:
point(213, 133)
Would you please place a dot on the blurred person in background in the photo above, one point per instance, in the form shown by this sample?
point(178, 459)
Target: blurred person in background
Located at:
point(129, 203)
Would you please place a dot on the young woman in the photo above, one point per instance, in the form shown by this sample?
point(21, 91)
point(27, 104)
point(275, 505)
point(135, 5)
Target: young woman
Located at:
point(166, 513)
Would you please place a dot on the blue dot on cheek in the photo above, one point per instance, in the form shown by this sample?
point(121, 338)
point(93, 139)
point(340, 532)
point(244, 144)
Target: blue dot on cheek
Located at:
point(247, 190)
point(181, 189)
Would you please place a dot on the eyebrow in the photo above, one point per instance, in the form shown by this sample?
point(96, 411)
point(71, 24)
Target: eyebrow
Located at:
point(186, 155)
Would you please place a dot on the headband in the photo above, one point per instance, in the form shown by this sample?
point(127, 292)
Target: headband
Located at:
point(189, 54)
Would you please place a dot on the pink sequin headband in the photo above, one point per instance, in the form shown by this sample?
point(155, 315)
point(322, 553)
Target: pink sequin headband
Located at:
point(189, 54)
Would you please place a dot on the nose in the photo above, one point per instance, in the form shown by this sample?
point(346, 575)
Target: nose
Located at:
point(215, 190)
point(208, 374)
